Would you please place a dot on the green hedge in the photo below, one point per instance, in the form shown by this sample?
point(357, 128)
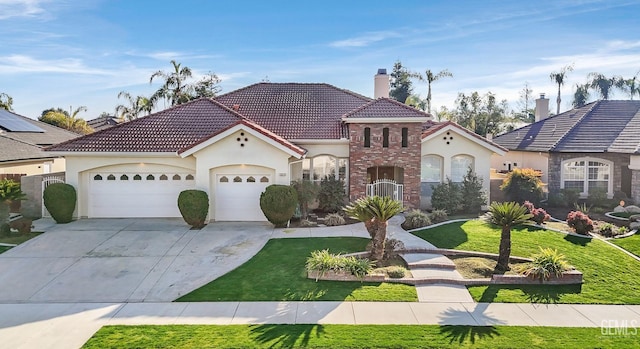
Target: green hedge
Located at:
point(60, 201)
point(278, 203)
point(194, 207)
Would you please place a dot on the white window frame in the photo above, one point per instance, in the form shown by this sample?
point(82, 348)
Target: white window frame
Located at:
point(336, 161)
point(472, 165)
point(422, 167)
point(585, 185)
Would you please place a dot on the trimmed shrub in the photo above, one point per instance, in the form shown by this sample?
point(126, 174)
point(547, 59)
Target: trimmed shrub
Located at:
point(597, 197)
point(570, 196)
point(278, 203)
point(415, 219)
point(539, 214)
point(307, 192)
point(473, 195)
point(60, 201)
point(556, 200)
point(331, 196)
point(438, 216)
point(396, 272)
point(580, 222)
point(446, 196)
point(546, 263)
point(523, 184)
point(333, 219)
point(194, 207)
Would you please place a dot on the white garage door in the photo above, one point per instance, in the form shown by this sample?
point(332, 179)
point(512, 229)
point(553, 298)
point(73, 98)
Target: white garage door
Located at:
point(237, 197)
point(114, 195)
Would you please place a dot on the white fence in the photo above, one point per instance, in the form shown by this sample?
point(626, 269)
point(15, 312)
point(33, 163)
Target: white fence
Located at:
point(386, 187)
point(46, 181)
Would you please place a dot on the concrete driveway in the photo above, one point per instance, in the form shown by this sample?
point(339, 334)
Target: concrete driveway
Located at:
point(125, 260)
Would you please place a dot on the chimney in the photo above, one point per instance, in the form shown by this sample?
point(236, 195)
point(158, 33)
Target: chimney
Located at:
point(381, 84)
point(542, 108)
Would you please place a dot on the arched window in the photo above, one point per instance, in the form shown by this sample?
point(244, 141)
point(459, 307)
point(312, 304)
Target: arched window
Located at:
point(189, 177)
point(431, 169)
point(224, 179)
point(176, 177)
point(460, 164)
point(124, 177)
point(264, 179)
point(587, 174)
point(111, 177)
point(97, 177)
point(251, 179)
point(237, 179)
point(137, 177)
point(150, 177)
point(164, 177)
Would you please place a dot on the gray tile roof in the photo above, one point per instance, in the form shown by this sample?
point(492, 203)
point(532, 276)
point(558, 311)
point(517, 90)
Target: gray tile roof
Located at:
point(15, 150)
point(385, 108)
point(596, 127)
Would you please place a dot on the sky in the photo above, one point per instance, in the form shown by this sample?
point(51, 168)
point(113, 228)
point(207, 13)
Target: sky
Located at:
point(70, 53)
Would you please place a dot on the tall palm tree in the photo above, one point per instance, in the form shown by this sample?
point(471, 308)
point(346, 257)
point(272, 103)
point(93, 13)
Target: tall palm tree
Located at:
point(603, 85)
point(67, 120)
point(558, 78)
point(581, 95)
point(430, 77)
point(506, 215)
point(136, 106)
point(375, 211)
point(632, 86)
point(174, 87)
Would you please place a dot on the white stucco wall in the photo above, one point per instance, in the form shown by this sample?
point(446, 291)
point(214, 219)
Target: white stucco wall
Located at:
point(523, 159)
point(34, 167)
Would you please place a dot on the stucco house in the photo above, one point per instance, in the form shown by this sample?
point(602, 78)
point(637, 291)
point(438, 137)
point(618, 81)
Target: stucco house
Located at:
point(235, 145)
point(594, 146)
point(21, 145)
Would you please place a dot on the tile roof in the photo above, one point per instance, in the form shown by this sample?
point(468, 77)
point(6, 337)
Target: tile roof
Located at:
point(385, 108)
point(296, 110)
point(596, 127)
point(100, 123)
point(431, 127)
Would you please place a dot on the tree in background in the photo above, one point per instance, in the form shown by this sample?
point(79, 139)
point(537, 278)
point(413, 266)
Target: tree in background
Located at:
point(603, 85)
point(135, 107)
point(558, 78)
point(632, 86)
point(6, 102)
point(525, 114)
point(581, 96)
point(430, 77)
point(480, 114)
point(67, 120)
point(415, 101)
point(207, 87)
point(401, 87)
point(176, 88)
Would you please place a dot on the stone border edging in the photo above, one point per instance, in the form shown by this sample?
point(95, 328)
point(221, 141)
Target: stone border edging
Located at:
point(450, 252)
point(609, 214)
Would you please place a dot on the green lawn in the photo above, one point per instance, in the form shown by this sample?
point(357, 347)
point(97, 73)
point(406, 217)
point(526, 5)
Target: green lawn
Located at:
point(631, 243)
point(15, 238)
point(4, 249)
point(610, 276)
point(351, 336)
point(277, 273)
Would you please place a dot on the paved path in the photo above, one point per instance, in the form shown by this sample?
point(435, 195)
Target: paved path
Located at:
point(70, 325)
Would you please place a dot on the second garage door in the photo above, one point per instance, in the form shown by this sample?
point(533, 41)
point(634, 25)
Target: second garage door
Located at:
point(237, 197)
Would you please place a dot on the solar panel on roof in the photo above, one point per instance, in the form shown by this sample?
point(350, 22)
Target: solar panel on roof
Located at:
point(14, 123)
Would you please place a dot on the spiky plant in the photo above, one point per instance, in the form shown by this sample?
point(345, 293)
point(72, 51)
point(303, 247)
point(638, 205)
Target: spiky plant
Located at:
point(506, 215)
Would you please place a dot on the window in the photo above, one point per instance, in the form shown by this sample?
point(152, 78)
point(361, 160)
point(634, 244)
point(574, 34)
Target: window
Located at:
point(97, 177)
point(237, 179)
point(137, 177)
point(405, 137)
point(150, 177)
point(251, 179)
point(264, 179)
point(111, 177)
point(316, 168)
point(163, 177)
point(224, 179)
point(176, 177)
point(460, 164)
point(189, 177)
point(385, 137)
point(124, 177)
point(586, 174)
point(367, 137)
point(431, 169)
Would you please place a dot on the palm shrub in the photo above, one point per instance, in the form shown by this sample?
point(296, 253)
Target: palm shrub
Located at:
point(523, 184)
point(506, 215)
point(307, 192)
point(415, 219)
point(194, 207)
point(545, 264)
point(331, 195)
point(473, 195)
point(446, 196)
point(9, 192)
point(579, 222)
point(60, 200)
point(323, 261)
point(375, 211)
point(278, 203)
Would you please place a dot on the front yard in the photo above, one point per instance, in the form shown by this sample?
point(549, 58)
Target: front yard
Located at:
point(610, 276)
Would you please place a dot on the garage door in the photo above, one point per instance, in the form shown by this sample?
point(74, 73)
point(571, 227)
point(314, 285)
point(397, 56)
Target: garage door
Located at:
point(237, 197)
point(114, 195)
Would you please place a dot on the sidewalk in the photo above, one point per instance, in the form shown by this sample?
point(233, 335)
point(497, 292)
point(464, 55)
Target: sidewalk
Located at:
point(70, 325)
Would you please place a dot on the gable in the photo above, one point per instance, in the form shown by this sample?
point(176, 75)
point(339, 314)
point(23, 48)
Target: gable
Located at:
point(451, 135)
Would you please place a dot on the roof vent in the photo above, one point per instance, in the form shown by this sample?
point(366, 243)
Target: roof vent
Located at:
point(236, 107)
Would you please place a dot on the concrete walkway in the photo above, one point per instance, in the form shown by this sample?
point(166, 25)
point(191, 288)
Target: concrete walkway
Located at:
point(70, 325)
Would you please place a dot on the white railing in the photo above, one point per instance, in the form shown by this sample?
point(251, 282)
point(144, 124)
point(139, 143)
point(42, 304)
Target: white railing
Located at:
point(46, 180)
point(386, 187)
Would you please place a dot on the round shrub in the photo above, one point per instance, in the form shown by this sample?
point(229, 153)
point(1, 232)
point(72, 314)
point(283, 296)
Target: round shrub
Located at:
point(523, 184)
point(60, 201)
point(396, 272)
point(438, 216)
point(331, 194)
point(333, 219)
point(415, 219)
point(194, 207)
point(580, 222)
point(278, 203)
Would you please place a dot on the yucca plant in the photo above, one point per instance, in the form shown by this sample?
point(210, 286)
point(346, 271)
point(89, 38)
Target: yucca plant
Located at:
point(506, 215)
point(375, 211)
point(546, 263)
point(322, 261)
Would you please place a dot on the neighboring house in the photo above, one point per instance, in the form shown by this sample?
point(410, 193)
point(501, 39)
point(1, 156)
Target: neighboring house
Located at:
point(101, 123)
point(594, 146)
point(235, 145)
point(21, 145)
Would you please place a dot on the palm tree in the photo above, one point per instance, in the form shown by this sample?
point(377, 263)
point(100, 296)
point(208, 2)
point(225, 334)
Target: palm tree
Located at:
point(135, 107)
point(632, 86)
point(581, 95)
point(375, 211)
point(67, 120)
point(506, 215)
point(430, 77)
point(6, 101)
point(603, 84)
point(558, 78)
point(174, 87)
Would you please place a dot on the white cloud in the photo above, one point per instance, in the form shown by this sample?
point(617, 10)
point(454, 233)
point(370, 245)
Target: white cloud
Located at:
point(21, 8)
point(365, 39)
point(24, 64)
